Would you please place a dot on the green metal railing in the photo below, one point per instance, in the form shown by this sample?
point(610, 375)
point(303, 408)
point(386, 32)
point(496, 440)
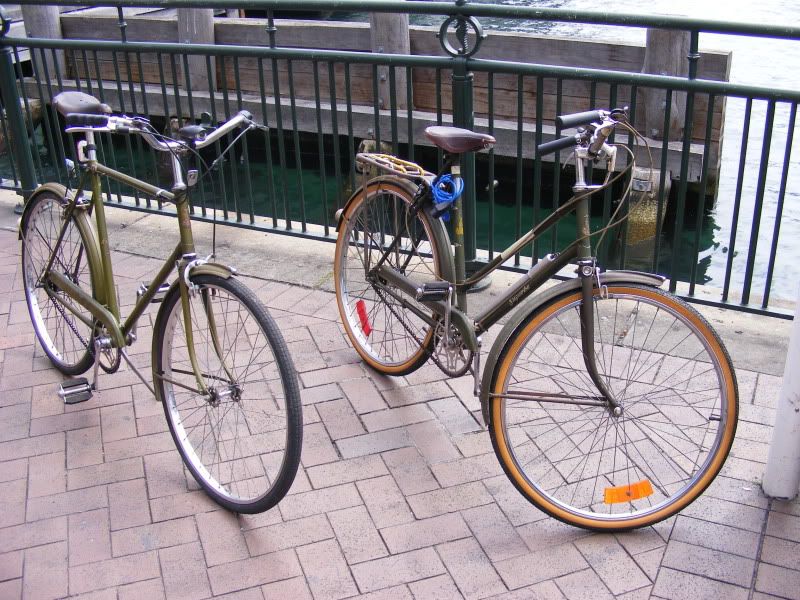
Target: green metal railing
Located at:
point(319, 104)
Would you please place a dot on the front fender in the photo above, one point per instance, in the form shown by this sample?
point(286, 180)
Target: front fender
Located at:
point(54, 188)
point(533, 304)
point(209, 268)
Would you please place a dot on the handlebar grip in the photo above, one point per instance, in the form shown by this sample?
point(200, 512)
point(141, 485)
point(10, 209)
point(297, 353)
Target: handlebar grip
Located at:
point(577, 119)
point(84, 120)
point(559, 144)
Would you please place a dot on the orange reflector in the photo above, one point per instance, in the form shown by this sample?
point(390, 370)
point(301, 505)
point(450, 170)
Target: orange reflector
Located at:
point(361, 309)
point(628, 493)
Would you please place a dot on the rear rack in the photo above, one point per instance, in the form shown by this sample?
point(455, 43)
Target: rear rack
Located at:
point(394, 165)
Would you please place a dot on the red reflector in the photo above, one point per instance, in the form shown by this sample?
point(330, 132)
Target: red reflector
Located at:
point(361, 309)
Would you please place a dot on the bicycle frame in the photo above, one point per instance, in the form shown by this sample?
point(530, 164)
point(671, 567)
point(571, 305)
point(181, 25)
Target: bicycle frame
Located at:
point(103, 304)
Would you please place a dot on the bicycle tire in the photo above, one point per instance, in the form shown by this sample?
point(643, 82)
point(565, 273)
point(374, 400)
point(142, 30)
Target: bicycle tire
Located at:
point(65, 338)
point(241, 442)
point(389, 338)
point(583, 465)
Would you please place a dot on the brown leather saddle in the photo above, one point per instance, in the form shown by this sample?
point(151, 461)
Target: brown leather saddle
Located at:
point(456, 140)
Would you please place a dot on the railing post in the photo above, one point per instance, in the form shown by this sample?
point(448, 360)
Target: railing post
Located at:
point(782, 474)
point(389, 34)
point(16, 121)
point(196, 26)
point(44, 22)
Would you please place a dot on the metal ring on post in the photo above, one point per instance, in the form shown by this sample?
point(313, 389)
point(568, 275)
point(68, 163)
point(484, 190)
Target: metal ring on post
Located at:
point(462, 31)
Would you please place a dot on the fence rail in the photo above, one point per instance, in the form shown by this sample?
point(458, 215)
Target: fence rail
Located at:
point(320, 103)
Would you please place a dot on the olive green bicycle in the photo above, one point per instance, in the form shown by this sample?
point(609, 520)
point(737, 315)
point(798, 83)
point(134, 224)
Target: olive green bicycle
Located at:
point(220, 366)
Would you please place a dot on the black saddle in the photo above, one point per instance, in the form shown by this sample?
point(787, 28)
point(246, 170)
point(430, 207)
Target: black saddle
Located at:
point(456, 140)
point(77, 102)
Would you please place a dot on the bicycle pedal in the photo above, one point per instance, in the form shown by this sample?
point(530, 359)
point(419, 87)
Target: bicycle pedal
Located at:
point(434, 291)
point(74, 391)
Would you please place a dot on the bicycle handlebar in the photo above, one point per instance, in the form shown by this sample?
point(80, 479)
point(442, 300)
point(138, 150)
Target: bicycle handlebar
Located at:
point(581, 118)
point(79, 122)
point(559, 144)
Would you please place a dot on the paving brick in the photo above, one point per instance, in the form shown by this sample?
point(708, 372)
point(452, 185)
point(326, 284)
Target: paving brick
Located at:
point(11, 565)
point(37, 533)
point(496, 535)
point(780, 552)
point(385, 502)
point(127, 503)
point(450, 499)
point(319, 501)
point(454, 416)
point(85, 447)
point(13, 469)
point(332, 375)
point(164, 474)
point(152, 589)
point(340, 419)
point(250, 572)
point(372, 443)
point(583, 584)
point(685, 586)
point(111, 472)
point(470, 568)
point(12, 503)
point(89, 537)
point(181, 505)
point(184, 572)
point(66, 503)
point(24, 448)
point(778, 581)
point(15, 421)
point(410, 471)
point(396, 569)
point(528, 569)
point(784, 526)
point(294, 588)
point(425, 532)
point(715, 536)
point(320, 393)
point(118, 422)
point(317, 446)
point(432, 441)
point(345, 471)
point(709, 563)
point(47, 474)
point(135, 540)
point(724, 512)
point(11, 588)
point(396, 417)
point(139, 446)
point(112, 572)
point(474, 444)
point(65, 422)
point(403, 396)
point(326, 571)
point(222, 537)
point(546, 531)
point(650, 562)
point(363, 395)
point(434, 588)
point(286, 535)
point(357, 535)
point(474, 468)
point(612, 563)
point(45, 571)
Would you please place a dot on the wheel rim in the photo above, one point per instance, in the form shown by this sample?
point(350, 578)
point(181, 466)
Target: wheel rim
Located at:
point(381, 329)
point(65, 337)
point(581, 462)
point(234, 442)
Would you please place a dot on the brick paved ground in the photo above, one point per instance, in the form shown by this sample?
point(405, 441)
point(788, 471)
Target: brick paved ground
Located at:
point(398, 496)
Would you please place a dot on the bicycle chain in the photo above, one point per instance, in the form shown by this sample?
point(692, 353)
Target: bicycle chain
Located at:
point(431, 354)
point(70, 324)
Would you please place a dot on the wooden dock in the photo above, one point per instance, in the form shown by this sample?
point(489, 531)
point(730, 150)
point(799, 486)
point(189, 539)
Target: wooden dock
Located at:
point(310, 81)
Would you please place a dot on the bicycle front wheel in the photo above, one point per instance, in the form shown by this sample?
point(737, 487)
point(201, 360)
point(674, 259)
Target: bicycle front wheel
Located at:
point(64, 328)
point(240, 437)
point(576, 458)
point(379, 320)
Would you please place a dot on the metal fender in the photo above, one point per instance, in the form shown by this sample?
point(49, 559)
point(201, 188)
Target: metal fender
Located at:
point(217, 269)
point(532, 304)
point(84, 224)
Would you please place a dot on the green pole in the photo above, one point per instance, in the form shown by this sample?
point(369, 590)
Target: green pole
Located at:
point(16, 122)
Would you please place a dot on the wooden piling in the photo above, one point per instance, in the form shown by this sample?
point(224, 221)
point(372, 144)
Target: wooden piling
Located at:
point(666, 53)
point(389, 34)
point(196, 26)
point(44, 22)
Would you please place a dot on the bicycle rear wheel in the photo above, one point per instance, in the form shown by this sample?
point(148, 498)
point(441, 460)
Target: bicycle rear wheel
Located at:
point(64, 328)
point(571, 455)
point(389, 336)
point(241, 441)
